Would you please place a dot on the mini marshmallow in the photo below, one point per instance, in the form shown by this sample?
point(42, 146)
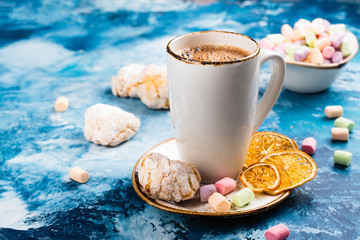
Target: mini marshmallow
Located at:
point(327, 61)
point(206, 191)
point(282, 46)
point(334, 111)
point(225, 185)
point(79, 175)
point(336, 39)
point(301, 53)
point(243, 197)
point(309, 145)
point(291, 48)
point(300, 42)
point(337, 57)
point(279, 51)
point(321, 43)
point(326, 24)
point(342, 157)
point(317, 27)
point(275, 38)
point(328, 52)
point(310, 39)
point(337, 27)
point(302, 23)
point(267, 44)
point(340, 134)
point(297, 34)
point(324, 35)
point(278, 232)
point(286, 30)
point(61, 104)
point(346, 47)
point(342, 122)
point(316, 56)
point(219, 202)
point(289, 58)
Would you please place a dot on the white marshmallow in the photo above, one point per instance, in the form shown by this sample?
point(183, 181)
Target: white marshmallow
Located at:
point(61, 104)
point(79, 175)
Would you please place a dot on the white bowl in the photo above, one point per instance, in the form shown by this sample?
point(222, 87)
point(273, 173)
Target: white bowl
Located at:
point(312, 78)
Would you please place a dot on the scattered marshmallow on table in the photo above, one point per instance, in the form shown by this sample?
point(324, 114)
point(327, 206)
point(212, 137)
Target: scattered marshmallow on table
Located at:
point(206, 191)
point(340, 134)
point(243, 197)
point(109, 125)
point(79, 175)
point(334, 111)
point(342, 157)
point(309, 145)
point(61, 104)
point(278, 232)
point(342, 122)
point(225, 185)
point(219, 202)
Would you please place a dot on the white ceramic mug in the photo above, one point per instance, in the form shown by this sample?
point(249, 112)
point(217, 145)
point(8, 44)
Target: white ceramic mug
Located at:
point(214, 106)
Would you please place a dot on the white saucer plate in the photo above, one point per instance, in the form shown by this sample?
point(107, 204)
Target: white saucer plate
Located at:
point(194, 207)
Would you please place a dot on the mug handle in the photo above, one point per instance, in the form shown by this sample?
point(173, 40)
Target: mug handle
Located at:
point(274, 88)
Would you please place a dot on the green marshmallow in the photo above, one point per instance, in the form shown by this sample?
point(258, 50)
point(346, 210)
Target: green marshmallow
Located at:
point(342, 157)
point(310, 39)
point(289, 58)
point(342, 122)
point(243, 197)
point(275, 38)
point(346, 47)
point(337, 27)
point(291, 49)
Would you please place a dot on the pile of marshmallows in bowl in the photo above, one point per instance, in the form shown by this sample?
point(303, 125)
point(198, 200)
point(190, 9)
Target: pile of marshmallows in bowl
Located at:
point(317, 42)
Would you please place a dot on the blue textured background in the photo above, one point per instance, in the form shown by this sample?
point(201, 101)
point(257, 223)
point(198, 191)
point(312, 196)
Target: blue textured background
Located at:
point(72, 48)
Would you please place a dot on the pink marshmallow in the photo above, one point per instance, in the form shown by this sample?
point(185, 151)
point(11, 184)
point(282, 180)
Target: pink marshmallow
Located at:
point(225, 185)
point(337, 38)
point(301, 53)
point(282, 46)
point(309, 145)
point(267, 44)
point(328, 52)
point(278, 232)
point(206, 191)
point(279, 51)
point(327, 61)
point(337, 57)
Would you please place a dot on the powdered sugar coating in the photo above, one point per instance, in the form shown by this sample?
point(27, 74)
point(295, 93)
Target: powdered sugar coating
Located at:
point(126, 81)
point(166, 179)
point(109, 125)
point(153, 87)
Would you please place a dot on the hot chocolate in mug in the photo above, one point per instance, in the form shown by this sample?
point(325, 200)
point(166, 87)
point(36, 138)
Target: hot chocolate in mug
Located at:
point(213, 105)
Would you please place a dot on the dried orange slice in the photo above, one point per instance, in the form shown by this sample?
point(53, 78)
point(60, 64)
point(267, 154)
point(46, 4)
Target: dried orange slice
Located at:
point(263, 143)
point(261, 176)
point(295, 167)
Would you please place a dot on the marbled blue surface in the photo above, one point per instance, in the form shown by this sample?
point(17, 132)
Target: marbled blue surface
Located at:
point(72, 48)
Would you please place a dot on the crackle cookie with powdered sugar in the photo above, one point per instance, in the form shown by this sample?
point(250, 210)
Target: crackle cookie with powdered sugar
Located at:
point(153, 87)
point(109, 125)
point(149, 83)
point(166, 179)
point(125, 83)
